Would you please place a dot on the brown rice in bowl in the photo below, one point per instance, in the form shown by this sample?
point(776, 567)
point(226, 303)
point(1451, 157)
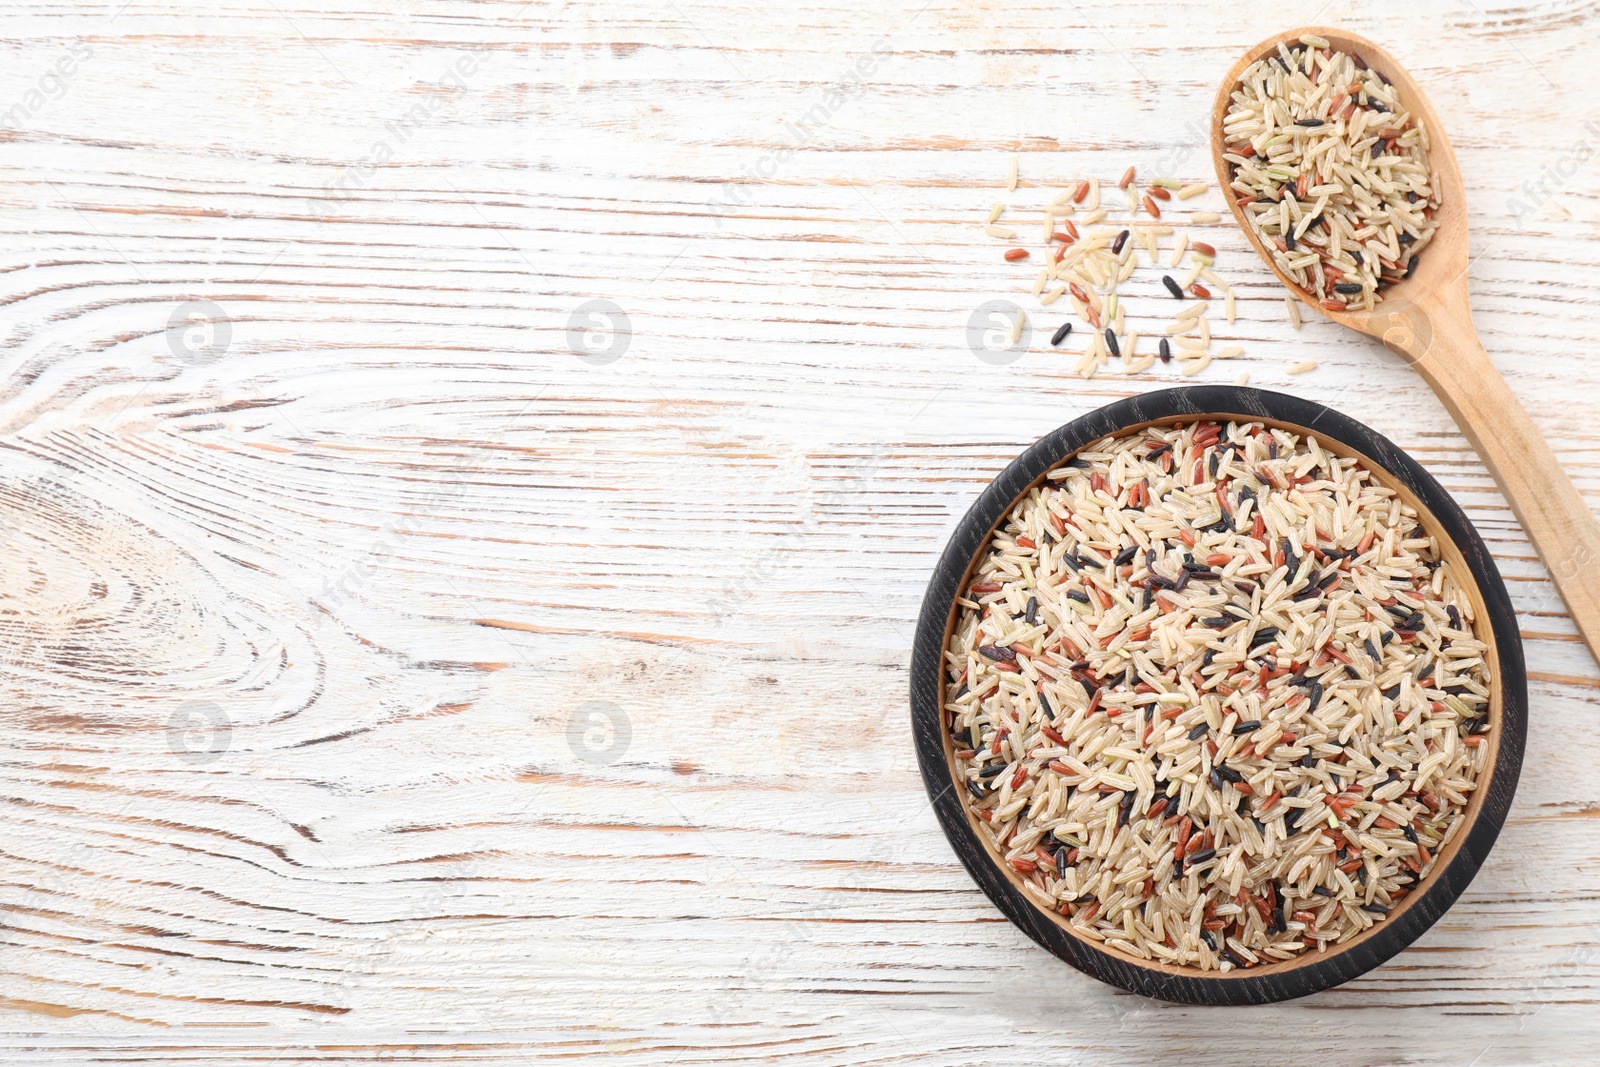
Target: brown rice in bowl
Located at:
point(1216, 697)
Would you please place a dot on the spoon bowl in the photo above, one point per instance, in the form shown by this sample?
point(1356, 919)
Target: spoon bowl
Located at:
point(1441, 267)
point(1426, 319)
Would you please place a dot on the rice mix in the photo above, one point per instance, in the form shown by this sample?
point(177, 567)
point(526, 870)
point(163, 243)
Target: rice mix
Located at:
point(1332, 172)
point(1215, 695)
point(1091, 258)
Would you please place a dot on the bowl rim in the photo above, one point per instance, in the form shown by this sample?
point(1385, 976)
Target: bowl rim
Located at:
point(1463, 855)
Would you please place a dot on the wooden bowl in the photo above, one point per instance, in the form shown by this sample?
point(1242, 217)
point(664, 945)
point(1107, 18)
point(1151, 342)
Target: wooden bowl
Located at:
point(1480, 582)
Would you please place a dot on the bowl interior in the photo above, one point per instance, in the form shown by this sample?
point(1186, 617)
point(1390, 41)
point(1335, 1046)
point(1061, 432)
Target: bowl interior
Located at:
point(1506, 685)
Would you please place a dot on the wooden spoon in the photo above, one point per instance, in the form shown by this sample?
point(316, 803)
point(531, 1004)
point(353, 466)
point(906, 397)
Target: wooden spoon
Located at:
point(1427, 320)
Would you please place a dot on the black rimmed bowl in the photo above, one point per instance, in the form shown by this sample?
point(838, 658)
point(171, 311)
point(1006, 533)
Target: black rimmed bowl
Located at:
point(1480, 581)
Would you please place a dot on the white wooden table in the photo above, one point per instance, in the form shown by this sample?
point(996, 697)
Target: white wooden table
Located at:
point(385, 681)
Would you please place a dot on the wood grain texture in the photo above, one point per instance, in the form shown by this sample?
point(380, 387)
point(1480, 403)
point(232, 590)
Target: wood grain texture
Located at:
point(325, 618)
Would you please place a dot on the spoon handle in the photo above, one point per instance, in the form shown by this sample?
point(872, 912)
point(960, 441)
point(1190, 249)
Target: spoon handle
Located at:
point(1557, 521)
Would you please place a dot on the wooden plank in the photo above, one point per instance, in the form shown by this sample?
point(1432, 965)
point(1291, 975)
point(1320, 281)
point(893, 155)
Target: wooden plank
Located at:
point(314, 633)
